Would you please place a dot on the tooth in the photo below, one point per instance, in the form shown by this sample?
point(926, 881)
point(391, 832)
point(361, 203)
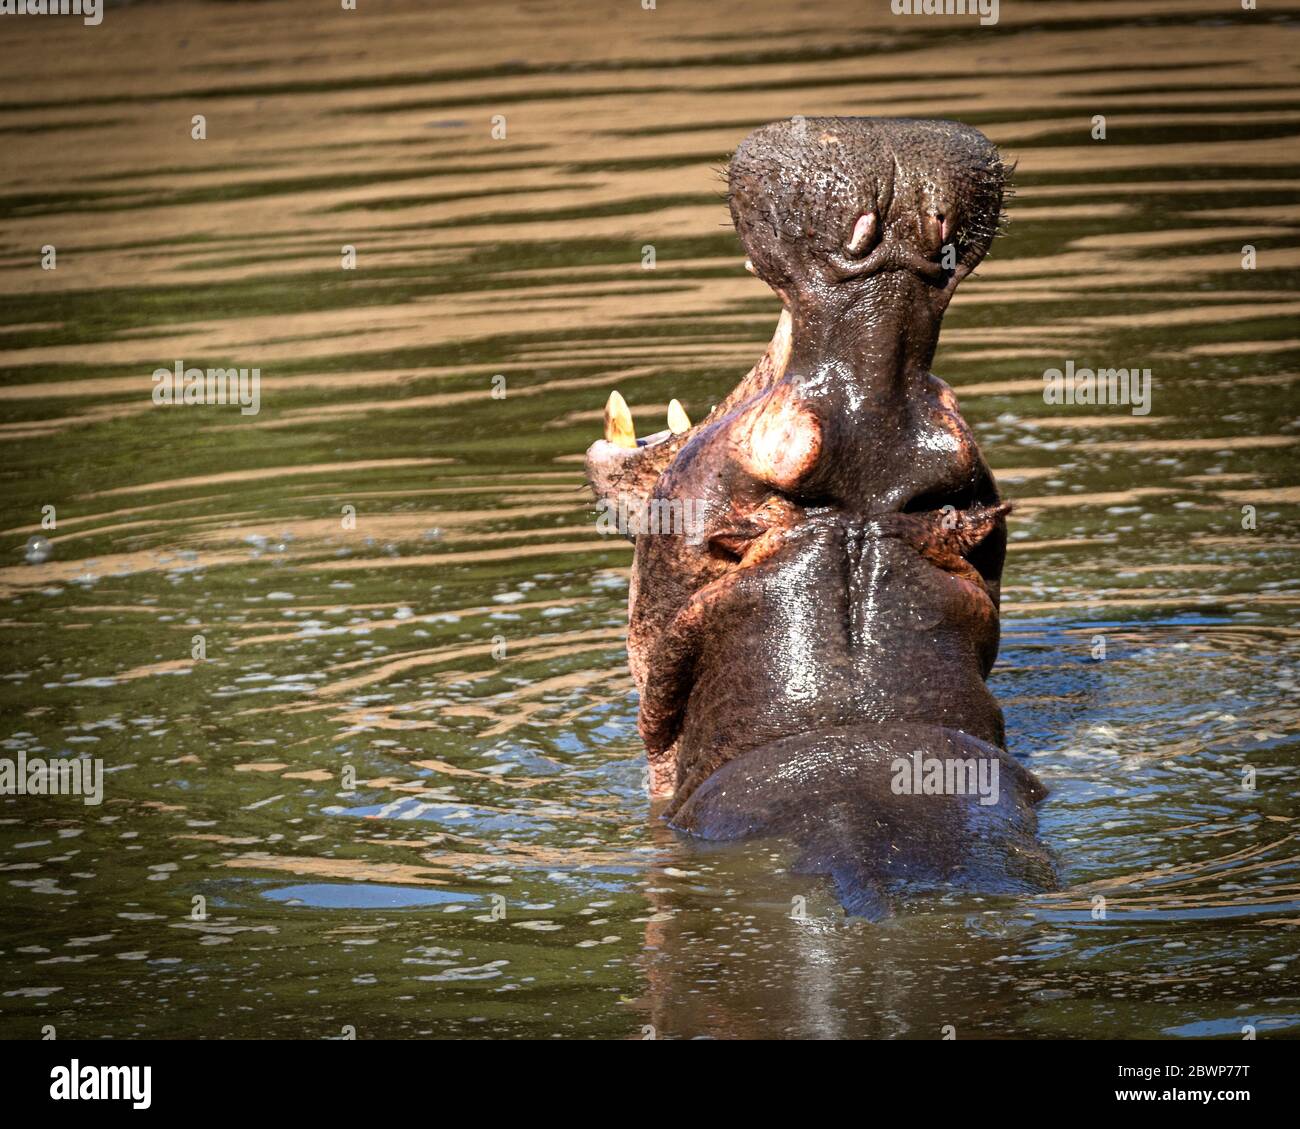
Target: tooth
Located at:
point(618, 422)
point(678, 420)
point(749, 266)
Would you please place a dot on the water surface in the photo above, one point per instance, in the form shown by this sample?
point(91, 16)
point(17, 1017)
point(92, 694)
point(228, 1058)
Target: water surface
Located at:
point(405, 779)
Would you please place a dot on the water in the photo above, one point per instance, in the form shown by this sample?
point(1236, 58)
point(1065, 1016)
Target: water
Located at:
point(355, 779)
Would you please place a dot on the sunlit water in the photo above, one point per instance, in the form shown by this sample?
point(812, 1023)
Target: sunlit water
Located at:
point(405, 780)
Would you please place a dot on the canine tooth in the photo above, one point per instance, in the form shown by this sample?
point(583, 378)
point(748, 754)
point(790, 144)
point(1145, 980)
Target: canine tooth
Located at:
point(749, 266)
point(678, 420)
point(618, 422)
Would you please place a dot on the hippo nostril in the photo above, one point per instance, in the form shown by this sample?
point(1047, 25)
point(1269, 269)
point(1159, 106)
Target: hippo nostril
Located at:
point(934, 229)
point(864, 232)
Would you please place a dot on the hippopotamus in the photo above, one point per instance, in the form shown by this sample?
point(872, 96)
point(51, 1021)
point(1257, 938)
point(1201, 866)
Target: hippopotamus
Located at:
point(813, 607)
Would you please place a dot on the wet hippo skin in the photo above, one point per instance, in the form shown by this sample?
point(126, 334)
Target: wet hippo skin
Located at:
point(819, 604)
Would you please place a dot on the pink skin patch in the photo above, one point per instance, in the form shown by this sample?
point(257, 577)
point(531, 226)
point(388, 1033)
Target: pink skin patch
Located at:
point(863, 231)
point(784, 442)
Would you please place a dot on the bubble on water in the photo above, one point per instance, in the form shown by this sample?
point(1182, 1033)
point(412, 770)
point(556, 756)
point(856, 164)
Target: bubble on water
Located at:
point(38, 550)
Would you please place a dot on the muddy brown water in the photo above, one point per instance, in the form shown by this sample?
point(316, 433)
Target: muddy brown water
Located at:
point(405, 780)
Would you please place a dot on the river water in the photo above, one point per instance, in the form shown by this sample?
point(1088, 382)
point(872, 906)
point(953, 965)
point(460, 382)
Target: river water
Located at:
point(399, 792)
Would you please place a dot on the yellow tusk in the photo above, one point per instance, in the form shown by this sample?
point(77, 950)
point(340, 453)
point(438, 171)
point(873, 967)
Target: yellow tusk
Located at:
point(618, 422)
point(678, 420)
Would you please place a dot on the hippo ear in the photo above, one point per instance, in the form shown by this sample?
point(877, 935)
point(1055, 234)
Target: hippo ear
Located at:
point(968, 542)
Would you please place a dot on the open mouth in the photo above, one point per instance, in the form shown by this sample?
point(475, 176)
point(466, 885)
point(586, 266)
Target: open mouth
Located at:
point(621, 464)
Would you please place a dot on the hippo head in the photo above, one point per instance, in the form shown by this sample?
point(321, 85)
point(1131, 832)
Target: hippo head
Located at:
point(814, 597)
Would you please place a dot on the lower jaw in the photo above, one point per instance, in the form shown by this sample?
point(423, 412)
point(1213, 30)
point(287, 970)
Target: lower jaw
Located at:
point(798, 758)
point(834, 796)
point(815, 770)
point(705, 745)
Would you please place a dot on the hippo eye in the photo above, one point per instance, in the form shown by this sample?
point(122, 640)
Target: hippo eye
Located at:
point(864, 234)
point(730, 544)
